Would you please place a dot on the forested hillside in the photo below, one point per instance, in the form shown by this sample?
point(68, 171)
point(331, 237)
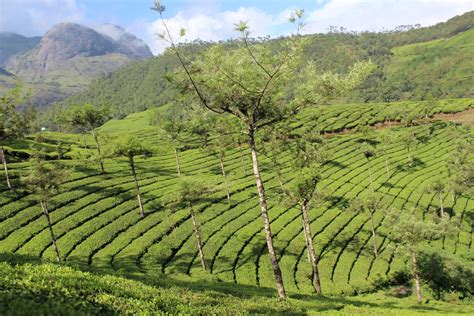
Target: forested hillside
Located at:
point(406, 51)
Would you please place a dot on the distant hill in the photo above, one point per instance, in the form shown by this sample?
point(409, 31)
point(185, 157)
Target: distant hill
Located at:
point(12, 44)
point(413, 64)
point(69, 56)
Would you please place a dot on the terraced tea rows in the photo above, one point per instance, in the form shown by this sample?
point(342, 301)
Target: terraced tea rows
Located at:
point(98, 225)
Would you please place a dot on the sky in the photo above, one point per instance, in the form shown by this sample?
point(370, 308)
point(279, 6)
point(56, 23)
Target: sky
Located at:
point(214, 19)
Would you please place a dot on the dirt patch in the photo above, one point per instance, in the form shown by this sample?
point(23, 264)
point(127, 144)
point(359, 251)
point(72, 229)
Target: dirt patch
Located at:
point(464, 117)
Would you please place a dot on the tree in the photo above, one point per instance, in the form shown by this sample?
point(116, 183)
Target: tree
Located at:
point(15, 122)
point(131, 148)
point(409, 141)
point(44, 180)
point(385, 138)
point(189, 192)
point(87, 117)
point(307, 155)
point(369, 203)
point(368, 151)
point(409, 232)
point(438, 186)
point(175, 123)
point(260, 86)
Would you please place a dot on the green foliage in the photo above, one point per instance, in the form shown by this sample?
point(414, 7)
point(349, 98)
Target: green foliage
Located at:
point(44, 179)
point(129, 147)
point(15, 122)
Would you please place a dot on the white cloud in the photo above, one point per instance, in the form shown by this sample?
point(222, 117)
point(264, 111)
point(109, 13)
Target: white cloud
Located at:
point(361, 15)
point(357, 15)
point(212, 27)
point(35, 17)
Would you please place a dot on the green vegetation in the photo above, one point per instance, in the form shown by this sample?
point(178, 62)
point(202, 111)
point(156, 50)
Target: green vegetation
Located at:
point(27, 284)
point(97, 227)
point(440, 69)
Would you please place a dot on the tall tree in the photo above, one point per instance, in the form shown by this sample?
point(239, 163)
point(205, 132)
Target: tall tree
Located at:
point(189, 192)
point(44, 180)
point(260, 86)
point(307, 155)
point(385, 139)
point(409, 233)
point(130, 148)
point(15, 121)
point(409, 140)
point(438, 186)
point(369, 203)
point(175, 123)
point(89, 118)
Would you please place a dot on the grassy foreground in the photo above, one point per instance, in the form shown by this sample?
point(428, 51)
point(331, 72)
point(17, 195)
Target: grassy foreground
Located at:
point(27, 284)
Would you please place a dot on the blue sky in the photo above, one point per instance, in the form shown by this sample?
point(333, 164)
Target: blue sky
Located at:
point(213, 19)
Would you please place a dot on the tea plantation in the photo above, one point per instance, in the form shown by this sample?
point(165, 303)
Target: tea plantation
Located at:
point(150, 265)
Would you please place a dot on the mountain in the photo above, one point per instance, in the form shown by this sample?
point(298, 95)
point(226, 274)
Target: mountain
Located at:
point(413, 64)
point(137, 47)
point(69, 56)
point(12, 44)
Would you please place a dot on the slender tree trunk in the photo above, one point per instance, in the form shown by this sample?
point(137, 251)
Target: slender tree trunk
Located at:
point(84, 140)
point(369, 168)
point(5, 168)
point(221, 159)
point(137, 187)
point(416, 278)
point(441, 203)
point(374, 235)
point(44, 207)
point(306, 241)
point(242, 159)
point(266, 220)
point(197, 232)
point(176, 155)
point(96, 139)
point(386, 163)
point(311, 251)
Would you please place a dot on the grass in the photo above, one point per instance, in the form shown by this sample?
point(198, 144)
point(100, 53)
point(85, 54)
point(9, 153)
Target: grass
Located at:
point(151, 265)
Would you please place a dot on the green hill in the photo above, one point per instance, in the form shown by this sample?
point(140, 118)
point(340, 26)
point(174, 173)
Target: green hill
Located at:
point(98, 227)
point(431, 70)
point(142, 85)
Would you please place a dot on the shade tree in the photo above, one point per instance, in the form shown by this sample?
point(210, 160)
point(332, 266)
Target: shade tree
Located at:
point(175, 122)
point(43, 180)
point(15, 121)
point(260, 86)
point(410, 233)
point(130, 148)
point(88, 118)
point(189, 192)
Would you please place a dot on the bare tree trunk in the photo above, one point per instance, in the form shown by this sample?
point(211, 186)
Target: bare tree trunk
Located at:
point(311, 251)
point(242, 159)
point(416, 278)
point(221, 159)
point(306, 241)
point(374, 236)
point(176, 155)
point(197, 232)
point(386, 163)
point(441, 203)
point(84, 140)
point(137, 187)
point(44, 207)
point(96, 139)
point(266, 220)
point(5, 168)
point(369, 168)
